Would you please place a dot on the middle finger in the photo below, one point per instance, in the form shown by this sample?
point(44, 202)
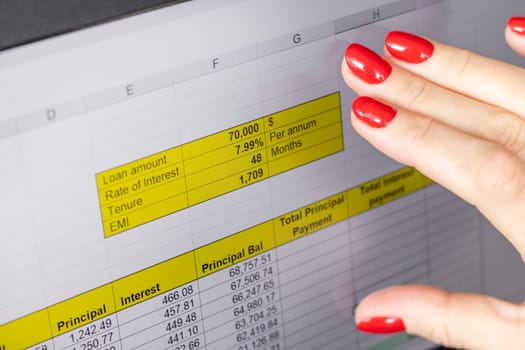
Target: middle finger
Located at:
point(369, 74)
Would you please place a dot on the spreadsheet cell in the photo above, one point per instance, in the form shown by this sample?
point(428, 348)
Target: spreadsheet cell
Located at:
point(103, 332)
point(368, 165)
point(375, 237)
point(441, 271)
point(287, 69)
point(416, 274)
point(47, 346)
point(154, 308)
point(332, 245)
point(230, 298)
point(301, 91)
point(246, 87)
point(408, 229)
point(378, 255)
point(382, 261)
point(322, 289)
point(30, 300)
point(367, 222)
point(321, 335)
point(331, 296)
point(313, 77)
point(439, 249)
point(22, 243)
point(228, 281)
point(456, 230)
point(290, 253)
point(329, 169)
point(337, 339)
point(303, 286)
point(448, 210)
point(210, 223)
point(160, 329)
point(447, 262)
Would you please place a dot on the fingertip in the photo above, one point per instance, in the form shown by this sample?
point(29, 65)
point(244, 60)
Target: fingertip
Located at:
point(381, 325)
point(408, 47)
point(413, 306)
point(515, 34)
point(377, 122)
point(373, 112)
point(516, 24)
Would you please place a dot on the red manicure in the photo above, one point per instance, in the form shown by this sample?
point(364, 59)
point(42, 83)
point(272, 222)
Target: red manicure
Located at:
point(381, 325)
point(408, 47)
point(373, 112)
point(366, 64)
point(517, 24)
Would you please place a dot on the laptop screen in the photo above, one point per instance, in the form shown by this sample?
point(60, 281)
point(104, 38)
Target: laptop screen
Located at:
point(188, 178)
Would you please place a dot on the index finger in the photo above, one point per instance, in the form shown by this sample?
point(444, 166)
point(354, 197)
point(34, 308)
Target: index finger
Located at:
point(463, 71)
point(515, 34)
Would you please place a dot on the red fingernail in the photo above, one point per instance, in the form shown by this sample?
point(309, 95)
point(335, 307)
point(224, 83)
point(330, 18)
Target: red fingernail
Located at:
point(373, 112)
point(517, 24)
point(381, 325)
point(366, 64)
point(408, 47)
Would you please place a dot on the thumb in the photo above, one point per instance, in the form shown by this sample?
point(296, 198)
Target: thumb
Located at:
point(515, 34)
point(456, 320)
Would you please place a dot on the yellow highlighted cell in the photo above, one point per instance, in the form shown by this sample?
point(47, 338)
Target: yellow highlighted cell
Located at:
point(426, 180)
point(223, 138)
point(142, 200)
point(302, 111)
point(224, 170)
point(26, 331)
point(154, 211)
point(234, 249)
point(317, 138)
point(153, 281)
point(140, 184)
point(304, 127)
point(140, 167)
point(311, 218)
point(221, 155)
point(295, 159)
point(81, 310)
point(385, 189)
point(228, 184)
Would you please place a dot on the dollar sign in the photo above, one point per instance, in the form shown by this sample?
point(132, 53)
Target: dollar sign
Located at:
point(270, 121)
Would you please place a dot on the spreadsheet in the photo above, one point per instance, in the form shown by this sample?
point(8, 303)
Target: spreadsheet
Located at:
point(220, 201)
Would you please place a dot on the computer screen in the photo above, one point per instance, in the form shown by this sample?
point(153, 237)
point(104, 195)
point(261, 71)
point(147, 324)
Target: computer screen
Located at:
point(188, 178)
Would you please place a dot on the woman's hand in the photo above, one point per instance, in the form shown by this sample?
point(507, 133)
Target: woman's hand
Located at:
point(459, 118)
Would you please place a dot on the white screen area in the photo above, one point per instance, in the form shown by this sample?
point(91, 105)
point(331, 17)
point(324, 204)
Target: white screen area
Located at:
point(188, 179)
